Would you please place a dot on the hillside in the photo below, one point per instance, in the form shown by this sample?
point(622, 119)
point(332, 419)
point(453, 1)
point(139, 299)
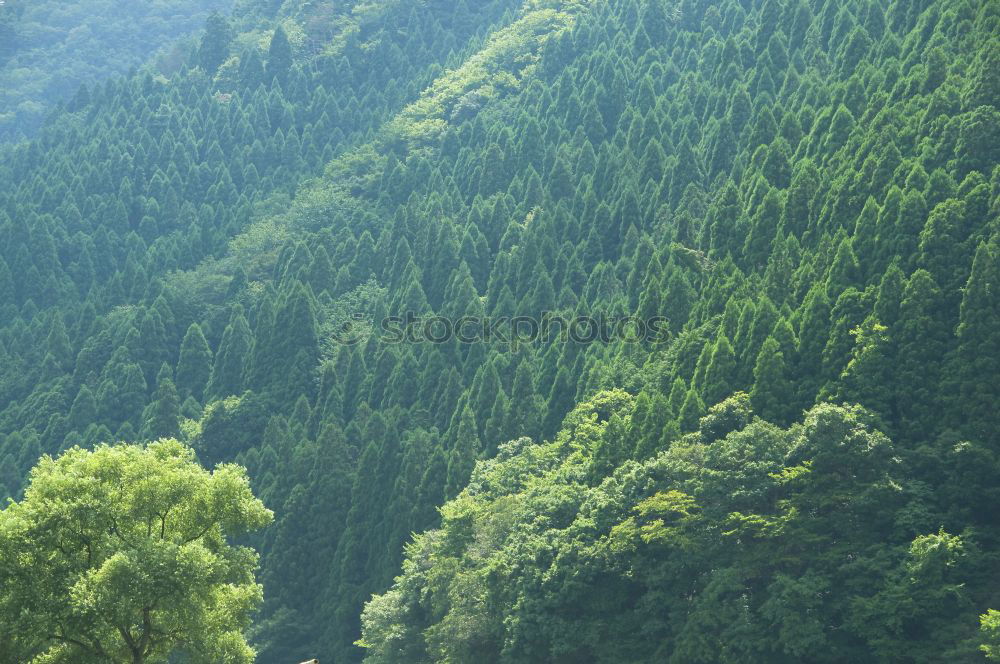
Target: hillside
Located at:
point(802, 197)
point(48, 49)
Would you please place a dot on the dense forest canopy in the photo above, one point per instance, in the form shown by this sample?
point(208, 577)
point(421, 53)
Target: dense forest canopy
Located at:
point(803, 466)
point(48, 48)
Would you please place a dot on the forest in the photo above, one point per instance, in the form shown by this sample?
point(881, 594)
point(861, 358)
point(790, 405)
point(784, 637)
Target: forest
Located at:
point(49, 48)
point(201, 248)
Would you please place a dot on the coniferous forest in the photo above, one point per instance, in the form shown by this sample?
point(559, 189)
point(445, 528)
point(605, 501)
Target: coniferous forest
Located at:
point(242, 416)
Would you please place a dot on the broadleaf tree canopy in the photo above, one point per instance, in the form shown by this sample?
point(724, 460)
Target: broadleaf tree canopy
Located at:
point(120, 554)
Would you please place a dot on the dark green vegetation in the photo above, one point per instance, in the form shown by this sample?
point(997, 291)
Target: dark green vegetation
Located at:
point(806, 189)
point(49, 47)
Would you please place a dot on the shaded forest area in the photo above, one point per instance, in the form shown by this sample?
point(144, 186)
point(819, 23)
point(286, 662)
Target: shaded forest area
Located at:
point(49, 48)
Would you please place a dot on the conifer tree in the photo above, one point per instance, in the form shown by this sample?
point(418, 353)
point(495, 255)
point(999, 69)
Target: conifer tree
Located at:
point(845, 271)
point(756, 174)
point(979, 346)
point(431, 491)
point(890, 294)
point(355, 547)
point(813, 335)
point(229, 367)
point(464, 453)
point(984, 87)
point(214, 43)
point(58, 343)
point(526, 407)
point(678, 298)
point(911, 220)
point(195, 364)
point(691, 411)
point(121, 398)
point(251, 74)
point(163, 413)
point(279, 57)
point(869, 369)
point(720, 376)
point(6, 284)
point(772, 394)
point(83, 412)
point(921, 338)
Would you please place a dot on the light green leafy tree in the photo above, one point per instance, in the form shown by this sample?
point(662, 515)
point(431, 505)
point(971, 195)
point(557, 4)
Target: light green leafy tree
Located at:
point(120, 554)
point(991, 633)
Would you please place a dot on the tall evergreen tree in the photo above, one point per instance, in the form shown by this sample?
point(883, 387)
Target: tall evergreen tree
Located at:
point(279, 57)
point(720, 376)
point(230, 360)
point(214, 49)
point(195, 364)
point(163, 414)
point(772, 394)
point(464, 453)
point(979, 346)
point(922, 338)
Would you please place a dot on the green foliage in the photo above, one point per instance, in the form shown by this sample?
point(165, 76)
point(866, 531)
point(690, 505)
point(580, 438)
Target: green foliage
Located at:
point(214, 49)
point(279, 57)
point(532, 564)
point(194, 365)
point(805, 191)
point(121, 555)
point(49, 49)
point(991, 633)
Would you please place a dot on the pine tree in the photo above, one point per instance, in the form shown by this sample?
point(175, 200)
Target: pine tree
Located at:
point(921, 338)
point(692, 410)
point(215, 43)
point(279, 57)
point(463, 454)
point(83, 412)
point(720, 377)
point(230, 361)
point(58, 343)
point(195, 364)
point(813, 336)
point(772, 394)
point(163, 414)
point(979, 347)
point(984, 87)
point(845, 271)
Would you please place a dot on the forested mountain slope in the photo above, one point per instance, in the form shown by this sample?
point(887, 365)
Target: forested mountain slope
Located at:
point(48, 48)
point(810, 194)
point(806, 190)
